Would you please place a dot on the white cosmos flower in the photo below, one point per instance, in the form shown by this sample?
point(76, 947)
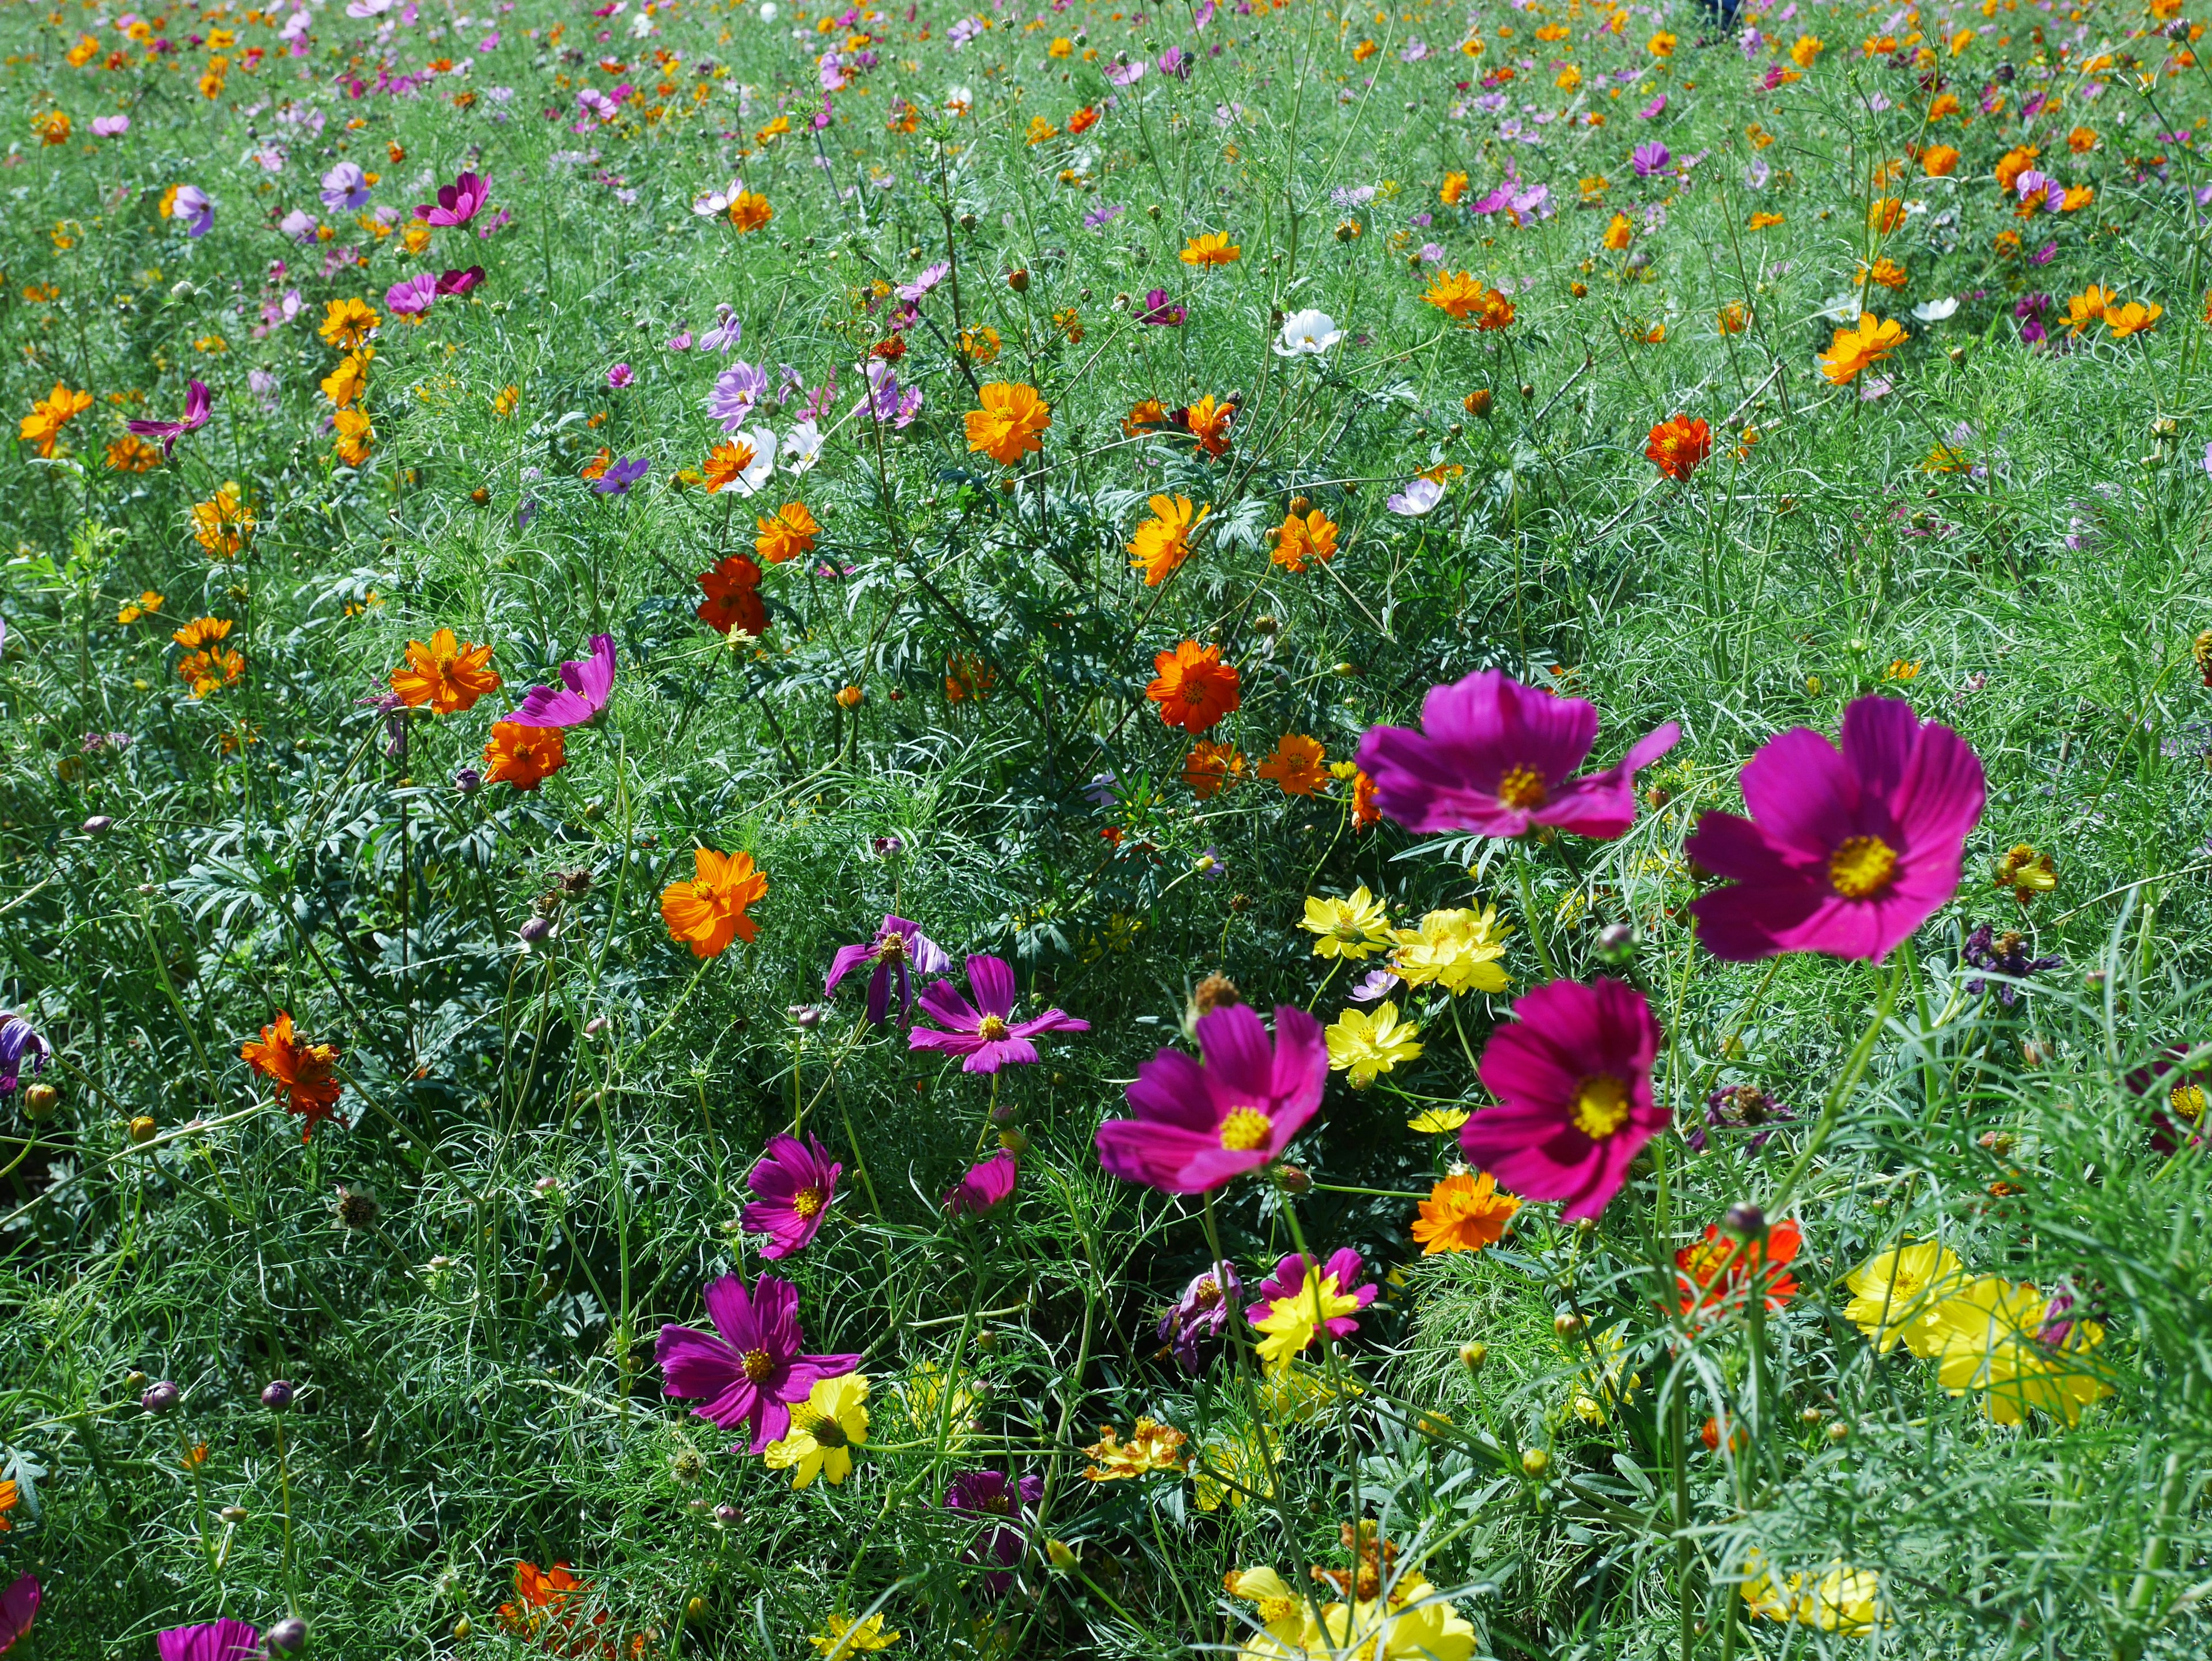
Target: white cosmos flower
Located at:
point(1935, 311)
point(959, 100)
point(707, 204)
point(761, 442)
point(1841, 308)
point(1420, 496)
point(802, 446)
point(1307, 333)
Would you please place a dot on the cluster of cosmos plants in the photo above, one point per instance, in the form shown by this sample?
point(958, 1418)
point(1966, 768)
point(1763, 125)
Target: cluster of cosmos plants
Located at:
point(1486, 1254)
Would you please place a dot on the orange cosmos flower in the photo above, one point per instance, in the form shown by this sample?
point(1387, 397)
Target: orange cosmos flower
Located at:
point(1211, 248)
point(346, 324)
point(1011, 423)
point(523, 756)
point(1210, 766)
point(1299, 540)
point(2131, 319)
point(969, 678)
point(133, 454)
point(356, 437)
point(222, 523)
point(543, 1599)
point(1939, 161)
point(1885, 213)
point(209, 671)
point(2088, 306)
point(749, 211)
point(1453, 187)
point(202, 631)
point(725, 463)
point(733, 599)
point(1161, 543)
point(1456, 294)
point(1364, 813)
point(1718, 1271)
point(1854, 349)
point(1299, 764)
point(1464, 1213)
point(52, 127)
point(1148, 414)
point(1082, 121)
point(303, 1069)
point(447, 674)
point(1734, 318)
point(1887, 272)
point(1618, 233)
point(1677, 445)
point(1762, 222)
point(708, 912)
point(1209, 422)
point(789, 535)
point(2012, 164)
point(49, 414)
point(1193, 687)
point(1493, 312)
point(344, 385)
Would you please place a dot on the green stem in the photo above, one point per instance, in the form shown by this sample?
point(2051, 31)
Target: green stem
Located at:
point(1529, 911)
point(1846, 1081)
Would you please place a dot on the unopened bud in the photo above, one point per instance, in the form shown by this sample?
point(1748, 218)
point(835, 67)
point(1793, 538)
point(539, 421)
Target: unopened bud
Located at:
point(161, 1397)
point(1810, 1417)
point(467, 781)
point(596, 1026)
point(1472, 1356)
point(233, 1515)
point(1567, 1323)
point(1018, 282)
point(462, 1630)
point(98, 825)
point(805, 1016)
point(41, 1099)
point(1294, 1181)
point(535, 932)
point(1616, 942)
point(276, 1395)
point(1744, 1218)
point(1839, 1432)
point(1534, 1462)
point(145, 1128)
point(727, 1513)
point(695, 1610)
point(1014, 1141)
point(288, 1635)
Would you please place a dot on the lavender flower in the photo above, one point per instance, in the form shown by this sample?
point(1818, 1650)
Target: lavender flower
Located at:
point(1740, 1106)
point(1194, 1326)
point(737, 393)
point(620, 476)
point(18, 1038)
point(899, 948)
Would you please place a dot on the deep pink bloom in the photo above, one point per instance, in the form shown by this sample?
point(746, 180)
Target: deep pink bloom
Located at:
point(988, 1493)
point(983, 1033)
point(1198, 1124)
point(588, 681)
point(796, 1183)
point(898, 947)
point(984, 1186)
point(19, 1607)
point(218, 1640)
point(1498, 758)
point(1290, 1278)
point(197, 399)
point(457, 202)
point(1845, 854)
point(1573, 1075)
point(460, 282)
point(753, 1372)
point(412, 295)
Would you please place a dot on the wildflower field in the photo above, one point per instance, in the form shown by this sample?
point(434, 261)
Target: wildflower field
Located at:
point(1238, 830)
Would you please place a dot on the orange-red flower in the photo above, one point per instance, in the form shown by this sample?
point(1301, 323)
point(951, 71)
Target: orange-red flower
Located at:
point(303, 1069)
point(1193, 687)
point(1209, 422)
point(1678, 444)
point(1717, 1272)
point(523, 756)
point(749, 211)
point(1299, 764)
point(449, 674)
point(1011, 423)
point(788, 535)
point(733, 599)
point(1148, 414)
point(547, 1607)
point(1365, 815)
point(1463, 1213)
point(708, 912)
point(1210, 766)
point(1300, 539)
point(1456, 294)
point(969, 678)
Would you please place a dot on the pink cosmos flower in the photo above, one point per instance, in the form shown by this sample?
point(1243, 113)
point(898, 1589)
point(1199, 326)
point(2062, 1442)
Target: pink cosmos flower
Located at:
point(899, 946)
point(1845, 853)
point(1496, 757)
point(109, 126)
point(984, 1187)
point(197, 400)
point(460, 282)
point(587, 682)
point(796, 1182)
point(412, 295)
point(457, 202)
point(753, 1371)
point(1290, 1278)
point(1200, 1124)
point(217, 1640)
point(983, 1033)
point(1573, 1075)
point(19, 1607)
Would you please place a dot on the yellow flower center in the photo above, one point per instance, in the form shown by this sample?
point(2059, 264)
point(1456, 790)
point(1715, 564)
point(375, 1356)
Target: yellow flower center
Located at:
point(1860, 867)
point(758, 1365)
point(1272, 1610)
point(2187, 1100)
point(993, 1028)
point(1521, 788)
point(1601, 1106)
point(1245, 1129)
point(807, 1202)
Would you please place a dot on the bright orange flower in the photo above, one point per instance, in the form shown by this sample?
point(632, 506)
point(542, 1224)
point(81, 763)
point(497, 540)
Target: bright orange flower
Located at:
point(1211, 248)
point(523, 756)
point(49, 414)
point(733, 599)
point(1493, 312)
point(1011, 423)
point(1854, 349)
point(2012, 164)
point(1161, 543)
point(1366, 814)
point(789, 535)
point(1939, 161)
point(1456, 294)
point(1209, 422)
point(1082, 121)
point(9, 1496)
point(1677, 445)
point(1463, 1213)
point(1718, 1271)
point(1762, 222)
point(1453, 187)
point(1618, 233)
point(2088, 306)
point(1885, 215)
point(1148, 414)
point(543, 1599)
point(749, 211)
point(969, 678)
point(980, 345)
point(708, 912)
point(2131, 319)
point(1298, 540)
point(1299, 764)
point(210, 670)
point(447, 674)
point(2081, 140)
point(1210, 766)
point(725, 463)
point(133, 454)
point(1193, 687)
point(1734, 319)
point(303, 1069)
point(222, 523)
point(52, 127)
point(344, 385)
point(356, 437)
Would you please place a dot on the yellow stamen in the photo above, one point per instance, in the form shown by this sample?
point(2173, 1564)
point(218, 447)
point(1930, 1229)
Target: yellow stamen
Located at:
point(1601, 1106)
point(1860, 867)
point(1245, 1129)
point(1521, 788)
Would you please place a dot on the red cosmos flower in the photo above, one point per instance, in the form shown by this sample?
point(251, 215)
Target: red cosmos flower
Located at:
point(303, 1070)
point(733, 599)
point(1678, 444)
point(1715, 1274)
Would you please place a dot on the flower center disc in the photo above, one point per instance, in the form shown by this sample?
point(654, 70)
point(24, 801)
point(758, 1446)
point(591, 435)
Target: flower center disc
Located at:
point(1860, 867)
point(1601, 1106)
point(2187, 1100)
point(992, 1028)
point(1245, 1129)
point(807, 1202)
point(1521, 788)
point(758, 1365)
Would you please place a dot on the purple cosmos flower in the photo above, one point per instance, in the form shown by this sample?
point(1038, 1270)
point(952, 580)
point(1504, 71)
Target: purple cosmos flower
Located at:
point(413, 295)
point(899, 945)
point(457, 202)
point(1497, 758)
point(728, 330)
point(1104, 213)
point(1377, 984)
point(299, 225)
point(930, 278)
point(884, 400)
point(197, 399)
point(679, 341)
point(1652, 112)
point(18, 1038)
point(19, 1607)
point(1201, 1316)
point(1159, 312)
point(1845, 853)
point(345, 188)
point(191, 204)
point(620, 476)
point(2005, 954)
point(587, 682)
point(1176, 62)
point(985, 1185)
point(109, 126)
point(988, 1493)
point(984, 1033)
point(737, 393)
point(796, 1183)
point(620, 376)
point(1290, 1278)
point(1739, 1107)
point(1648, 158)
point(218, 1640)
point(1200, 1124)
point(459, 282)
point(1126, 75)
point(1419, 498)
point(750, 1369)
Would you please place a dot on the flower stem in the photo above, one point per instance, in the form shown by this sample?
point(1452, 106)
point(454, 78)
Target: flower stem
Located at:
point(1846, 1081)
point(1529, 911)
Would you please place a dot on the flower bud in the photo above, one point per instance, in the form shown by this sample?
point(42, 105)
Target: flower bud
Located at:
point(1527, 389)
point(695, 1610)
point(462, 1630)
point(98, 825)
point(887, 846)
point(1810, 1417)
point(1839, 1432)
point(276, 1395)
point(1018, 282)
point(967, 222)
point(1477, 402)
point(804, 1016)
point(1060, 1555)
point(596, 1026)
point(1567, 1323)
point(41, 1099)
point(727, 1513)
point(1294, 1181)
point(145, 1128)
point(1472, 1356)
point(467, 781)
point(1616, 942)
point(161, 1397)
point(1015, 1141)
point(288, 1635)
point(536, 932)
point(1534, 1462)
point(233, 1515)
point(1744, 1218)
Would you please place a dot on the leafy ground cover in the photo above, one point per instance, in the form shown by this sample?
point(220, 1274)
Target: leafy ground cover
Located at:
point(1239, 830)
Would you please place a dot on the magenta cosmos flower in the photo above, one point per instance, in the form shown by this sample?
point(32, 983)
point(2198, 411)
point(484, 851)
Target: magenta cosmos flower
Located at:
point(1289, 1279)
point(1844, 853)
point(1200, 1124)
point(19, 1607)
point(1573, 1075)
point(990, 1493)
point(457, 202)
point(898, 948)
point(1498, 758)
point(217, 1640)
point(585, 684)
point(984, 1033)
point(197, 399)
point(753, 1371)
point(796, 1183)
point(985, 1185)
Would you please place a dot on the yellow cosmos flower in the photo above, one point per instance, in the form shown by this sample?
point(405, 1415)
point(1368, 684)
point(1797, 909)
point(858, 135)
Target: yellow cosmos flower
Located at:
point(1353, 928)
point(1457, 949)
point(825, 1427)
point(1896, 1295)
point(1365, 1044)
point(2024, 1350)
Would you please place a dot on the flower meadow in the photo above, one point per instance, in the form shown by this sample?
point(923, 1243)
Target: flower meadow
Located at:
point(1242, 830)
